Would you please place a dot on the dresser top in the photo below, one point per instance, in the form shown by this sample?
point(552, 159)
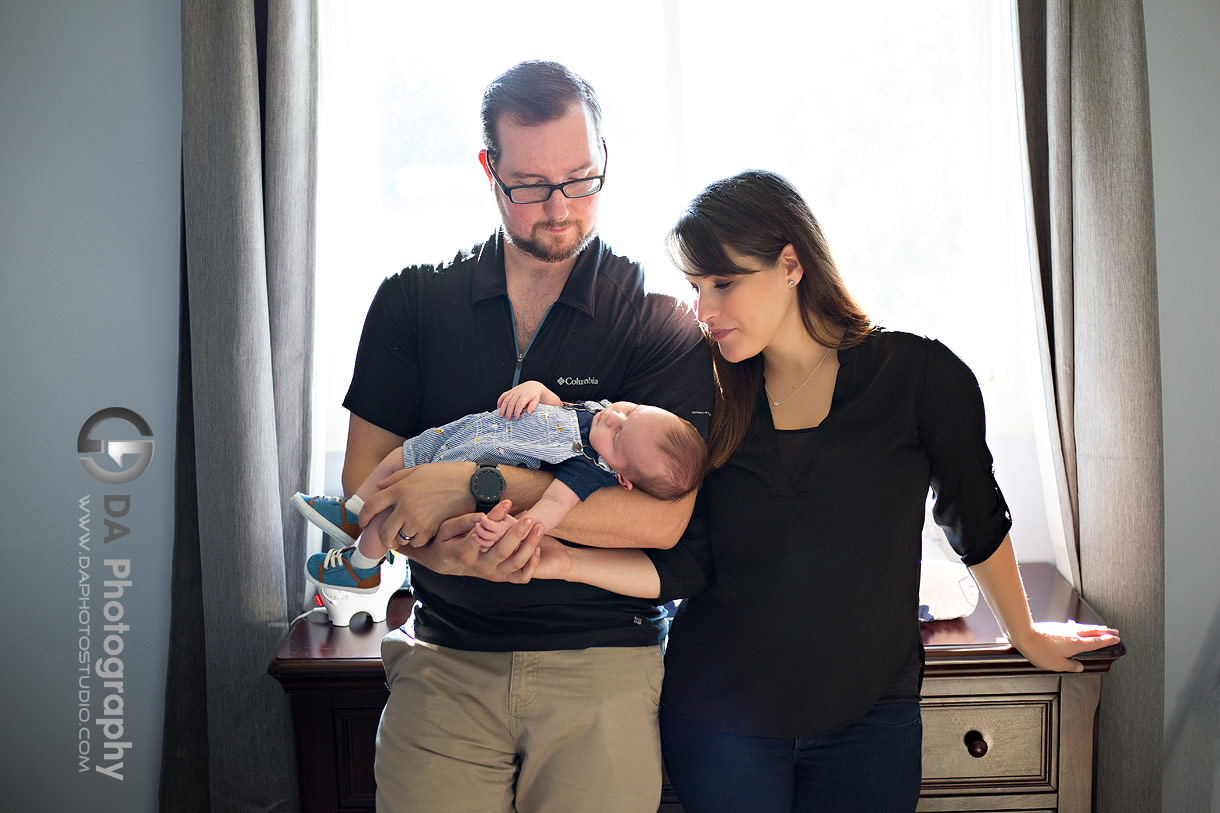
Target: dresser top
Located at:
point(317, 652)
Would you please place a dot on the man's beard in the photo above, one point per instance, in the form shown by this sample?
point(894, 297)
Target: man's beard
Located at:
point(549, 252)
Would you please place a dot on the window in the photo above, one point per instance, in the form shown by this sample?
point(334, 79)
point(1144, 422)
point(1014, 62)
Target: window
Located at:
point(895, 120)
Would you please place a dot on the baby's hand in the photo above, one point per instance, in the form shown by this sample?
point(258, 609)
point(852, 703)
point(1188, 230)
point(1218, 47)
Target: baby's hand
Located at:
point(524, 397)
point(488, 531)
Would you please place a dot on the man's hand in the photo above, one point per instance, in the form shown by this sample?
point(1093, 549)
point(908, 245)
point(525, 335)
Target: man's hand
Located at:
point(456, 550)
point(418, 500)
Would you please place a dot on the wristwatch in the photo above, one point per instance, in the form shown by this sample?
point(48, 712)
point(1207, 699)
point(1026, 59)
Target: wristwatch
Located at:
point(487, 486)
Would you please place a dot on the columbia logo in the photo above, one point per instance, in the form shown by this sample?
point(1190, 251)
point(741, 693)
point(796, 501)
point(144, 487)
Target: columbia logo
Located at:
point(574, 382)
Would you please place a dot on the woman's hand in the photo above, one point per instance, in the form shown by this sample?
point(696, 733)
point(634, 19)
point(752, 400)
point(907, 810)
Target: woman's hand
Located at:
point(523, 553)
point(457, 549)
point(554, 559)
point(1050, 645)
point(1047, 645)
point(549, 559)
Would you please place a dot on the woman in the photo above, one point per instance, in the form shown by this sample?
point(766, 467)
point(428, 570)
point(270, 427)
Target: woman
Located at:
point(793, 674)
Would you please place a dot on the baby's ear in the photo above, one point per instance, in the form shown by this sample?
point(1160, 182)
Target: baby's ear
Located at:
point(623, 481)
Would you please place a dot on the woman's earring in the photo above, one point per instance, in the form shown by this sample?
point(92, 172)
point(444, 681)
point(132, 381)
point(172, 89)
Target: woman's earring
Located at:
point(791, 283)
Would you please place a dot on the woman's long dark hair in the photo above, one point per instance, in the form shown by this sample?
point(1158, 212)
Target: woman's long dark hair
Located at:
point(756, 213)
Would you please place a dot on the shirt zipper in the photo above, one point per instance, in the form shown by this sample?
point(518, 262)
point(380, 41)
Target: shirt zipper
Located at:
point(517, 345)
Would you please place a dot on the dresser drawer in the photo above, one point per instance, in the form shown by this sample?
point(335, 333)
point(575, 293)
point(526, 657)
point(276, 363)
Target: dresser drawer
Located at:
point(990, 743)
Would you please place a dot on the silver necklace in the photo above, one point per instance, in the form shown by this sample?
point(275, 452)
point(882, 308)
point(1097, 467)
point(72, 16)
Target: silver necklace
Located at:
point(771, 397)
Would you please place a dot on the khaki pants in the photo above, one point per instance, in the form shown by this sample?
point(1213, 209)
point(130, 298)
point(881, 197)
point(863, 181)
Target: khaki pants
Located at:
point(569, 731)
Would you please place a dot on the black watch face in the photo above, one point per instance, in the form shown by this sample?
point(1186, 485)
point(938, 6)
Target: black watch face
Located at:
point(487, 485)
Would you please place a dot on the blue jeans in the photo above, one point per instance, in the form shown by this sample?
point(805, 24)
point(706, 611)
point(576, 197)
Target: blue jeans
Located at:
point(874, 765)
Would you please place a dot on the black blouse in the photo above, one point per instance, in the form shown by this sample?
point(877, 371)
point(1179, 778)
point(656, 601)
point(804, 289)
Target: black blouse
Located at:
point(805, 569)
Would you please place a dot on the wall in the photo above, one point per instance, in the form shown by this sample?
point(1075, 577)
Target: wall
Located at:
point(1183, 75)
point(90, 111)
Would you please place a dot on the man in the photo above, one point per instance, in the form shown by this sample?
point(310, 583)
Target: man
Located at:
point(539, 696)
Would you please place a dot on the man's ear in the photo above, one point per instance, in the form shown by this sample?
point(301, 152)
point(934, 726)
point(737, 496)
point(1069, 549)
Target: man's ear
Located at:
point(623, 481)
point(486, 169)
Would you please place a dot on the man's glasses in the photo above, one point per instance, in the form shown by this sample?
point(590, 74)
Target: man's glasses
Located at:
point(540, 192)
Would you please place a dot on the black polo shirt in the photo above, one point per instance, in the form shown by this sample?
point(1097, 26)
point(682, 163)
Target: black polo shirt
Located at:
point(439, 342)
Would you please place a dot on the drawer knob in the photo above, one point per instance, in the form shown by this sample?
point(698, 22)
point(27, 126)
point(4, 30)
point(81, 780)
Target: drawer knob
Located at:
point(975, 744)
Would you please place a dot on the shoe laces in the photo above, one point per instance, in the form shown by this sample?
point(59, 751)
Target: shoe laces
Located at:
point(334, 558)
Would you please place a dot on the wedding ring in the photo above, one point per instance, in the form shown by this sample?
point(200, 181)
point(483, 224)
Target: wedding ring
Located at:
point(403, 536)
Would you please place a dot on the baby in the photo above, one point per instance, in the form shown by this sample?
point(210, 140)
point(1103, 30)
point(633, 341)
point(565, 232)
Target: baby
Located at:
point(587, 446)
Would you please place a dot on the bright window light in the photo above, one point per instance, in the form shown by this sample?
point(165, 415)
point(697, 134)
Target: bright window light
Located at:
point(896, 121)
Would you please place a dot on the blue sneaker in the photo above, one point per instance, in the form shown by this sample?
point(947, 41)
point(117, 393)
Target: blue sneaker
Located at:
point(334, 569)
point(334, 515)
point(342, 602)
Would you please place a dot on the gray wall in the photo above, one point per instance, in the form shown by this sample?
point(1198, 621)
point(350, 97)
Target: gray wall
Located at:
point(90, 110)
point(1184, 78)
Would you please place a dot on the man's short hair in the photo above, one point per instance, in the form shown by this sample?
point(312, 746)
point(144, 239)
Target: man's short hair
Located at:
point(533, 93)
point(684, 463)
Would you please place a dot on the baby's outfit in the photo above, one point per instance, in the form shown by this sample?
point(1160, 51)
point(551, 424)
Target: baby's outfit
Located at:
point(552, 437)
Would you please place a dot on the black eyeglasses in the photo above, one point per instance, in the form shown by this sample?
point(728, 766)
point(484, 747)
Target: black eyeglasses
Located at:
point(540, 192)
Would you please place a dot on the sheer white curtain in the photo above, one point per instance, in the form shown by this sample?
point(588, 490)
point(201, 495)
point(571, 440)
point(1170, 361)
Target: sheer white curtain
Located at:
point(895, 120)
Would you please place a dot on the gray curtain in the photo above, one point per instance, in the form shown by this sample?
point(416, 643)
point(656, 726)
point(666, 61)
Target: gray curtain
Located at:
point(249, 179)
point(1084, 86)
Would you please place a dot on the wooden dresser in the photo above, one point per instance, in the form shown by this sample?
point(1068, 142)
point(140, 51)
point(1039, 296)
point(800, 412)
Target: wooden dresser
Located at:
point(998, 733)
